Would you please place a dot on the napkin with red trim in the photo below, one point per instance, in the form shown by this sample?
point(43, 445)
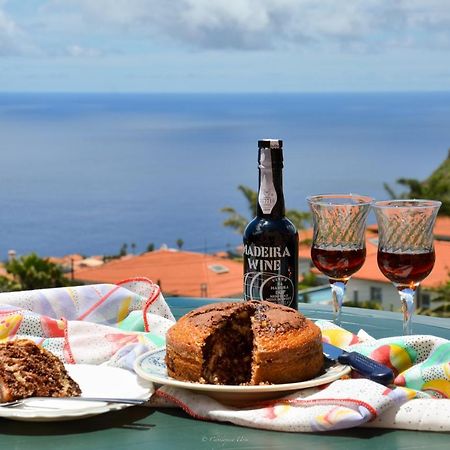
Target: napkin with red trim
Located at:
point(417, 400)
point(93, 324)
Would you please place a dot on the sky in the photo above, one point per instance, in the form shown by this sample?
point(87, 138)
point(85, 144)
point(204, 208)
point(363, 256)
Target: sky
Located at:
point(224, 45)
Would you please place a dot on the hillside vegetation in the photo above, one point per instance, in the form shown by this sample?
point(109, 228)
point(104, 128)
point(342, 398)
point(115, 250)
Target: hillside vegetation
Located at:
point(435, 187)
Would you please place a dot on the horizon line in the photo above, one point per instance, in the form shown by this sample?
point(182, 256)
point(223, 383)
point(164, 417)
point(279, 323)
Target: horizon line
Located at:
point(310, 92)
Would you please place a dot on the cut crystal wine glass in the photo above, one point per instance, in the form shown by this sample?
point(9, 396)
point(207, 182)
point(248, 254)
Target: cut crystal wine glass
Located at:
point(339, 247)
point(405, 247)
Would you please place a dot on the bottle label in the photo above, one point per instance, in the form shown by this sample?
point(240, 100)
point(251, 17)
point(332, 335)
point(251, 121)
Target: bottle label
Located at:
point(263, 279)
point(267, 196)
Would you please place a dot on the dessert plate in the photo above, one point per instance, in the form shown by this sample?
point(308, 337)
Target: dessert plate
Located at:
point(152, 367)
point(94, 381)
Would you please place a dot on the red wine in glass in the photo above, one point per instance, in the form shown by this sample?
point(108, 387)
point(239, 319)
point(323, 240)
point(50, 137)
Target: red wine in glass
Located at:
point(338, 264)
point(406, 268)
point(405, 247)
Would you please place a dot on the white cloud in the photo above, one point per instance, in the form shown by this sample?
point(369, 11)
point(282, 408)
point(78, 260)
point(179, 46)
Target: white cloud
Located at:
point(253, 24)
point(78, 51)
point(362, 25)
point(12, 39)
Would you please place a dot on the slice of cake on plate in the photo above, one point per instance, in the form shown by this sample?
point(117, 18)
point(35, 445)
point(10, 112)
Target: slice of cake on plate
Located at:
point(27, 370)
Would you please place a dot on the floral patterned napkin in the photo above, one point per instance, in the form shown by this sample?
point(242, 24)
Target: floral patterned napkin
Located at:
point(420, 363)
point(91, 324)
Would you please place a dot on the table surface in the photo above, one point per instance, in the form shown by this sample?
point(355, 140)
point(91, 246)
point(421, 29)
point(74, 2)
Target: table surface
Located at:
point(168, 428)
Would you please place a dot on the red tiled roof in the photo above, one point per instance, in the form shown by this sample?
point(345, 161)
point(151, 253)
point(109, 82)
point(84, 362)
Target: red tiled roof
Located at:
point(180, 273)
point(66, 260)
point(306, 235)
point(442, 227)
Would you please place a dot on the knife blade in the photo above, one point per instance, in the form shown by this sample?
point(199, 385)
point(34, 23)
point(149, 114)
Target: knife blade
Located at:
point(365, 366)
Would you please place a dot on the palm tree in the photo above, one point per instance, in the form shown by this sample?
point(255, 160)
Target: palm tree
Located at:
point(435, 187)
point(238, 221)
point(123, 250)
point(235, 220)
point(32, 272)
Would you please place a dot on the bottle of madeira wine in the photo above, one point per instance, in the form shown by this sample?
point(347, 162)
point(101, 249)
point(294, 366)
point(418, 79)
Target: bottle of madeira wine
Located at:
point(270, 239)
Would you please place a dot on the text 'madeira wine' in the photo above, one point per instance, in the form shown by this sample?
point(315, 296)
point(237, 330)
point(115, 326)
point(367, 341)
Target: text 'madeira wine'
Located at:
point(270, 239)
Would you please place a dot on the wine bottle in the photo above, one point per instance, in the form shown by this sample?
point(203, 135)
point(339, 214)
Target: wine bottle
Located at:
point(270, 239)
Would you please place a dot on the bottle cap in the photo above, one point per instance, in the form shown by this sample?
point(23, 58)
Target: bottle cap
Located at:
point(270, 153)
point(270, 143)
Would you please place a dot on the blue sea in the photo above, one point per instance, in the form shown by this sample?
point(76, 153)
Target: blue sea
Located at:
point(87, 173)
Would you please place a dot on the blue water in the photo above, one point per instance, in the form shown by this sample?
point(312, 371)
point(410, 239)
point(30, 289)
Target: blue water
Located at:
point(86, 173)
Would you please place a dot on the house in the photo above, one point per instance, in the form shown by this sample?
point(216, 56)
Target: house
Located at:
point(178, 273)
point(71, 263)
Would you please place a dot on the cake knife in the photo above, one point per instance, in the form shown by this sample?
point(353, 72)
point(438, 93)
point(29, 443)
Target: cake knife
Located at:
point(365, 366)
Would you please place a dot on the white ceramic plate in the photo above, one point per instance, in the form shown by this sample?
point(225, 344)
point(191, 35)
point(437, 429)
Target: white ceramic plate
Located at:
point(94, 381)
point(151, 366)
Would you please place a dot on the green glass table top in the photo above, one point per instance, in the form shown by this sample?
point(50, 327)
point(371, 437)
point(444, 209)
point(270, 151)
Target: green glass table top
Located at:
point(139, 428)
point(170, 428)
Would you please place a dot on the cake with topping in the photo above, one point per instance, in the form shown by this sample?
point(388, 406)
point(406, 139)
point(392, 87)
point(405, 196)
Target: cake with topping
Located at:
point(244, 343)
point(27, 370)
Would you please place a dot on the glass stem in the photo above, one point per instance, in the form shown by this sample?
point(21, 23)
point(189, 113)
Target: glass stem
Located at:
point(337, 293)
point(407, 298)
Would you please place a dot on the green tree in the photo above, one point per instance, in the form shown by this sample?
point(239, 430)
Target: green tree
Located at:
point(180, 243)
point(7, 285)
point(238, 221)
point(123, 250)
point(443, 302)
point(308, 280)
point(32, 272)
point(435, 187)
point(368, 304)
point(443, 298)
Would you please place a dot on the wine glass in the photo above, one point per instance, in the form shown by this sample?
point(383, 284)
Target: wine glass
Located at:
point(405, 247)
point(339, 247)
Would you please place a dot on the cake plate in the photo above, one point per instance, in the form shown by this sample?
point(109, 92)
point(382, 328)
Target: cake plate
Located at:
point(152, 367)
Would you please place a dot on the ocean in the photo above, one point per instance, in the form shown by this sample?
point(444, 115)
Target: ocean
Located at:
point(87, 173)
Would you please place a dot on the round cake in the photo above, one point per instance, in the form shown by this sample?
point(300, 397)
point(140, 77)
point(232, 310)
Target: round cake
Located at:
point(249, 343)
